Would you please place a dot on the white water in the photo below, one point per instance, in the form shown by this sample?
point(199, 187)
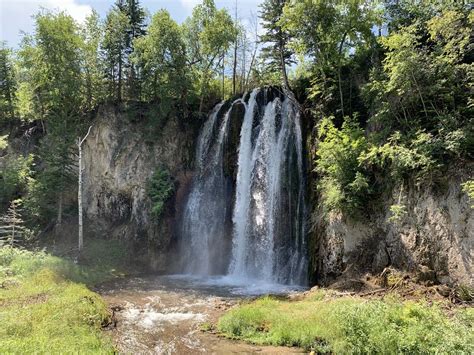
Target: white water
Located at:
point(204, 216)
point(267, 224)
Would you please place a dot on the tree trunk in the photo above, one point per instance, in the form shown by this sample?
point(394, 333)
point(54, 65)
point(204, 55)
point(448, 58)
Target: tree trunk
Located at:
point(283, 71)
point(234, 69)
point(341, 96)
point(286, 84)
point(79, 200)
point(223, 76)
point(12, 240)
point(119, 86)
point(59, 220)
point(79, 193)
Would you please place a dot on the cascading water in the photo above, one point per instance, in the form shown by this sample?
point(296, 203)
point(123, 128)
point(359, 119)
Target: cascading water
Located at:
point(249, 226)
point(203, 228)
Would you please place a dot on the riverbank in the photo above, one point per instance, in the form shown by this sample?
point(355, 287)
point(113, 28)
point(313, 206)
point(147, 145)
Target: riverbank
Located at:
point(46, 307)
point(173, 315)
point(401, 316)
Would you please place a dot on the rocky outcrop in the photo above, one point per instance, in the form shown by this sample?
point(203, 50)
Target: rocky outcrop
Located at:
point(119, 162)
point(434, 239)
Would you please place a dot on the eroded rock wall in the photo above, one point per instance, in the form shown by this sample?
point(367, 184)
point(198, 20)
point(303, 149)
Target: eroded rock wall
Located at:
point(435, 237)
point(119, 159)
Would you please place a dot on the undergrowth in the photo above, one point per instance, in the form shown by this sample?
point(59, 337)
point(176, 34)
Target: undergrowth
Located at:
point(352, 325)
point(46, 308)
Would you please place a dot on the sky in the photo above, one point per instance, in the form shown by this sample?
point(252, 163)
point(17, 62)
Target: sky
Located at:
point(16, 15)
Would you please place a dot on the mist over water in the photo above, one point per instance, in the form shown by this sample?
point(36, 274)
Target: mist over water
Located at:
point(250, 225)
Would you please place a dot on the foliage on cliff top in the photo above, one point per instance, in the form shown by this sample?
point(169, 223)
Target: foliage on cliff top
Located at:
point(402, 110)
point(42, 311)
point(352, 325)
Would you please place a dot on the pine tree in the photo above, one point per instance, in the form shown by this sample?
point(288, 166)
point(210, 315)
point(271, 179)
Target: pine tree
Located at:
point(92, 34)
point(136, 20)
point(54, 61)
point(7, 84)
point(277, 53)
point(12, 226)
point(114, 49)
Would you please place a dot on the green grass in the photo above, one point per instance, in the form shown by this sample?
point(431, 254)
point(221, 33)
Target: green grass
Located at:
point(352, 325)
point(46, 308)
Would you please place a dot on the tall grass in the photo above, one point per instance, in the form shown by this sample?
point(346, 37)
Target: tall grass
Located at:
point(352, 325)
point(44, 308)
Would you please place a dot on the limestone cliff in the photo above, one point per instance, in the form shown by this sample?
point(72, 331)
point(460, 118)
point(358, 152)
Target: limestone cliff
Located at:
point(119, 159)
point(435, 238)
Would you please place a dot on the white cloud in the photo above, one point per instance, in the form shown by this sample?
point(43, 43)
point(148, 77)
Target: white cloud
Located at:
point(16, 15)
point(77, 11)
point(189, 4)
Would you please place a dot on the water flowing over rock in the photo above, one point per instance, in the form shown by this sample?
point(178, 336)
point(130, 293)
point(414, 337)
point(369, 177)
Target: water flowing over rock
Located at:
point(249, 225)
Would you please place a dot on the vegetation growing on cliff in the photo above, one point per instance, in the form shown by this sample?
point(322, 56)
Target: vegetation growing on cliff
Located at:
point(387, 85)
point(391, 90)
point(160, 189)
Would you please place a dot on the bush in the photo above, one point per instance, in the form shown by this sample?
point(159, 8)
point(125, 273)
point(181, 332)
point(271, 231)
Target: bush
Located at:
point(343, 184)
point(14, 177)
point(160, 189)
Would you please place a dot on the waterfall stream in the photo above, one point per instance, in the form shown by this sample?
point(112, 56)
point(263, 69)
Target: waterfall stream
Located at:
point(247, 221)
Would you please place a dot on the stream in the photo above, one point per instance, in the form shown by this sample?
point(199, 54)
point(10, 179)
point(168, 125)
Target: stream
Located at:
point(164, 314)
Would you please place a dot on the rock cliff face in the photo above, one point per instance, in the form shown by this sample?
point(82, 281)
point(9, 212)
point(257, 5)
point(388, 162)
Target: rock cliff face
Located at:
point(118, 162)
point(435, 238)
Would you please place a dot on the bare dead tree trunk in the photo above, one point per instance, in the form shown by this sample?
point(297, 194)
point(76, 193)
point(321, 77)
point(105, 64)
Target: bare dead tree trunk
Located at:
point(286, 84)
point(79, 192)
point(119, 86)
point(254, 54)
point(12, 240)
point(234, 69)
point(59, 219)
point(341, 96)
point(223, 76)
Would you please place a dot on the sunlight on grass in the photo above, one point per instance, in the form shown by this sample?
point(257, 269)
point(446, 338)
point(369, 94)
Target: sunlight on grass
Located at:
point(44, 310)
point(351, 325)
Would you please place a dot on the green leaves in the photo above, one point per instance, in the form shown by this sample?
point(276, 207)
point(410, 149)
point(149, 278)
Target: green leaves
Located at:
point(160, 189)
point(161, 55)
point(468, 188)
point(208, 34)
point(343, 185)
point(7, 84)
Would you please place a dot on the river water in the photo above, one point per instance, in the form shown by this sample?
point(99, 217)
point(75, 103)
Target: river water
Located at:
point(165, 314)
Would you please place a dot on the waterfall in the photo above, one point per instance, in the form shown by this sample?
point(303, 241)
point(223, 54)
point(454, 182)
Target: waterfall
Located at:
point(203, 226)
point(249, 225)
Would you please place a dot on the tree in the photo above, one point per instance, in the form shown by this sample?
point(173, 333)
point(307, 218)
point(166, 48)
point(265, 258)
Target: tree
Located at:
point(236, 43)
point(326, 32)
point(12, 226)
point(114, 49)
point(208, 35)
point(136, 28)
point(92, 34)
point(255, 43)
point(161, 57)
point(79, 190)
point(7, 84)
point(278, 54)
point(53, 58)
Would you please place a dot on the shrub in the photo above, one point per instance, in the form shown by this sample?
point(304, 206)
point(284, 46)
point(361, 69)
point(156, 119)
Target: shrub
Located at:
point(160, 189)
point(343, 184)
